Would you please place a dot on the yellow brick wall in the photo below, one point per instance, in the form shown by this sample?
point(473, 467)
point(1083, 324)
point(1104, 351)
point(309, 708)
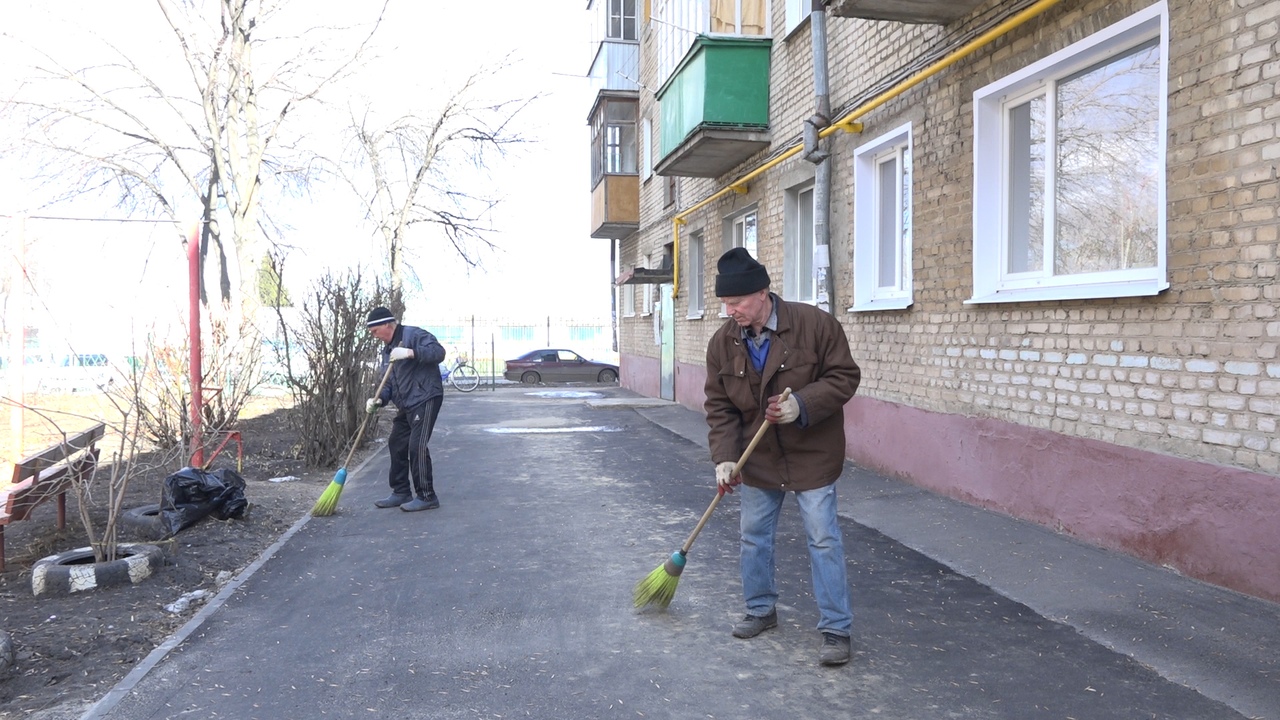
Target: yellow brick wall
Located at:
point(1192, 372)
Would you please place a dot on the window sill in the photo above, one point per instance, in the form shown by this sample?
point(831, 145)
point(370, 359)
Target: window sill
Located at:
point(693, 316)
point(1091, 291)
point(878, 304)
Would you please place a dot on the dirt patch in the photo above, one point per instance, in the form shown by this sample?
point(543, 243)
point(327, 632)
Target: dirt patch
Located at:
point(71, 650)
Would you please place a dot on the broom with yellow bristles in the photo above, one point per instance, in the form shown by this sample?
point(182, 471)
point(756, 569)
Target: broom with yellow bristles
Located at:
point(660, 585)
point(328, 501)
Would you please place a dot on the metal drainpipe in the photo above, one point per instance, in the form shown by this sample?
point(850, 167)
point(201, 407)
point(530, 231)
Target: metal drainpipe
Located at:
point(817, 153)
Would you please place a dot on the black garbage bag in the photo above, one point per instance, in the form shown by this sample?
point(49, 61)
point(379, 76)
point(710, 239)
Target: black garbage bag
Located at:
point(191, 494)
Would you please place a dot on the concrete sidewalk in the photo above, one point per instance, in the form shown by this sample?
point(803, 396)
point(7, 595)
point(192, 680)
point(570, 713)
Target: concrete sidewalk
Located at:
point(1224, 644)
point(513, 600)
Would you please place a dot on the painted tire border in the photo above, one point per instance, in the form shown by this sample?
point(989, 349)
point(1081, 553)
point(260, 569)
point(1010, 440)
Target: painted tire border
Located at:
point(55, 575)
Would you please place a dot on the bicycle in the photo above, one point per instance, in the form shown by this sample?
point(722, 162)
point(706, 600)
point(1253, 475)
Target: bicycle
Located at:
point(461, 375)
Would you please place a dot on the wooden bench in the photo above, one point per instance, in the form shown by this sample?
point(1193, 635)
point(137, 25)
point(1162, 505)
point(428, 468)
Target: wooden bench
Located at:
point(48, 474)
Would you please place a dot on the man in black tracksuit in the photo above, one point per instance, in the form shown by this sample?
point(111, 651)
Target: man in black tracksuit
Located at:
point(416, 389)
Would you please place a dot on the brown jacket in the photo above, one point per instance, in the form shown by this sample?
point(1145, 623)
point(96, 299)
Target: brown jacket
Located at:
point(808, 353)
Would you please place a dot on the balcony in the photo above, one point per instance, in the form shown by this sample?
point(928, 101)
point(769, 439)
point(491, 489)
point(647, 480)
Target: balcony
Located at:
point(616, 66)
point(615, 206)
point(615, 181)
point(715, 107)
point(937, 12)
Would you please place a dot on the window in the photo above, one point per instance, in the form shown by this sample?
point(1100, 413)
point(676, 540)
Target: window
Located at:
point(799, 281)
point(696, 263)
point(646, 148)
point(882, 222)
point(647, 307)
point(1069, 179)
point(622, 20)
point(742, 232)
point(628, 300)
point(678, 23)
point(670, 192)
point(797, 11)
point(613, 140)
point(739, 17)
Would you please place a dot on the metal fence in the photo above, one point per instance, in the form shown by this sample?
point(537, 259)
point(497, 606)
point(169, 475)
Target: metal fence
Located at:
point(488, 342)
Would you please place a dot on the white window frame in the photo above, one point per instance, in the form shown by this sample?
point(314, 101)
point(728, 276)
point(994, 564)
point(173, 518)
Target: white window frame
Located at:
point(991, 282)
point(628, 300)
point(799, 279)
point(868, 191)
point(647, 308)
point(616, 9)
point(797, 11)
point(695, 274)
point(646, 149)
point(736, 234)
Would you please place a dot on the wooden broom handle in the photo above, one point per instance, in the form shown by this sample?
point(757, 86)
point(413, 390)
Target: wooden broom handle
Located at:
point(786, 393)
point(360, 433)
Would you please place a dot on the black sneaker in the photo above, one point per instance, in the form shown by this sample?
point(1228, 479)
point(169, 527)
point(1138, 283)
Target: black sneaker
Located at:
point(392, 500)
point(752, 625)
point(835, 649)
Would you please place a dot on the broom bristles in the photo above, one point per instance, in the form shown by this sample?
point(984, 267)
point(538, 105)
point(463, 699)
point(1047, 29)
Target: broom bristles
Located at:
point(659, 587)
point(328, 501)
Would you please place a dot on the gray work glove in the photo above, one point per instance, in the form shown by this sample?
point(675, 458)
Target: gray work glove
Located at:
point(781, 413)
point(725, 479)
point(371, 405)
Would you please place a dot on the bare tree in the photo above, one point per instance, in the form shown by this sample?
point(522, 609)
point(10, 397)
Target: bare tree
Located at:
point(214, 136)
point(329, 358)
point(414, 170)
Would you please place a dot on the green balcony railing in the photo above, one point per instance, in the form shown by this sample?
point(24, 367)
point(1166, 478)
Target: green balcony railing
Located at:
point(722, 83)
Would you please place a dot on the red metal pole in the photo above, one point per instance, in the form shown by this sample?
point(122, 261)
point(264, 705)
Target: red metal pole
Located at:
point(197, 386)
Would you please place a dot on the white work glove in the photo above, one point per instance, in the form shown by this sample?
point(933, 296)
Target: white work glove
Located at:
point(371, 405)
point(781, 413)
point(725, 479)
point(401, 353)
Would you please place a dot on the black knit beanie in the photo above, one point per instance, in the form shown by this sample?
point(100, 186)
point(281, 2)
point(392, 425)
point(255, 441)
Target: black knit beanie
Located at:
point(378, 316)
point(739, 274)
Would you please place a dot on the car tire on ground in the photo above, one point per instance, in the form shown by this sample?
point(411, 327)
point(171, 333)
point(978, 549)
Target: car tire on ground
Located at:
point(607, 376)
point(530, 378)
point(144, 520)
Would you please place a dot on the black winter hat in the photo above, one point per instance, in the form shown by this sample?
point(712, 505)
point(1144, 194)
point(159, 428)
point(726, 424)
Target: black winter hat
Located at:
point(739, 274)
point(378, 316)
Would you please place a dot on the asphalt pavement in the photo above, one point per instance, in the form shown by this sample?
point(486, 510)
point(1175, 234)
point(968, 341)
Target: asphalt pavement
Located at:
point(514, 599)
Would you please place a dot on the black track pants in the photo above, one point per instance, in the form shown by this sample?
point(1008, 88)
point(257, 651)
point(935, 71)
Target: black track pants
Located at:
point(410, 433)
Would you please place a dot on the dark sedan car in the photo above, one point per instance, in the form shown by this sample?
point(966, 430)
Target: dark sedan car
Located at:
point(552, 365)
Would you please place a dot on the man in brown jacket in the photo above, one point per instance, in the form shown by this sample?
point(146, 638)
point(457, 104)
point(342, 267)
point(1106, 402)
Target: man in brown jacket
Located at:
point(768, 345)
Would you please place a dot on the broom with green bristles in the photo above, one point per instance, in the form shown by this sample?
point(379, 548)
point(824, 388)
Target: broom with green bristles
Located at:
point(328, 501)
point(660, 585)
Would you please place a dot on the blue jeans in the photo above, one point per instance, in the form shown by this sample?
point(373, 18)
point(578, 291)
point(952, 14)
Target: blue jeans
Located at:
point(759, 519)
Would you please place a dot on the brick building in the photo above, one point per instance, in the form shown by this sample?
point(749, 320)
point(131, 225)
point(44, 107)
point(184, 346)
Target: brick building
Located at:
point(1048, 227)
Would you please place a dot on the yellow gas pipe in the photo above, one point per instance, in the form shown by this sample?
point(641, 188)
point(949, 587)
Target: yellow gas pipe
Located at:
point(848, 123)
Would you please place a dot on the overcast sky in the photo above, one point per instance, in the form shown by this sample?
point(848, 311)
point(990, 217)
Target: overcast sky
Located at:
point(546, 264)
